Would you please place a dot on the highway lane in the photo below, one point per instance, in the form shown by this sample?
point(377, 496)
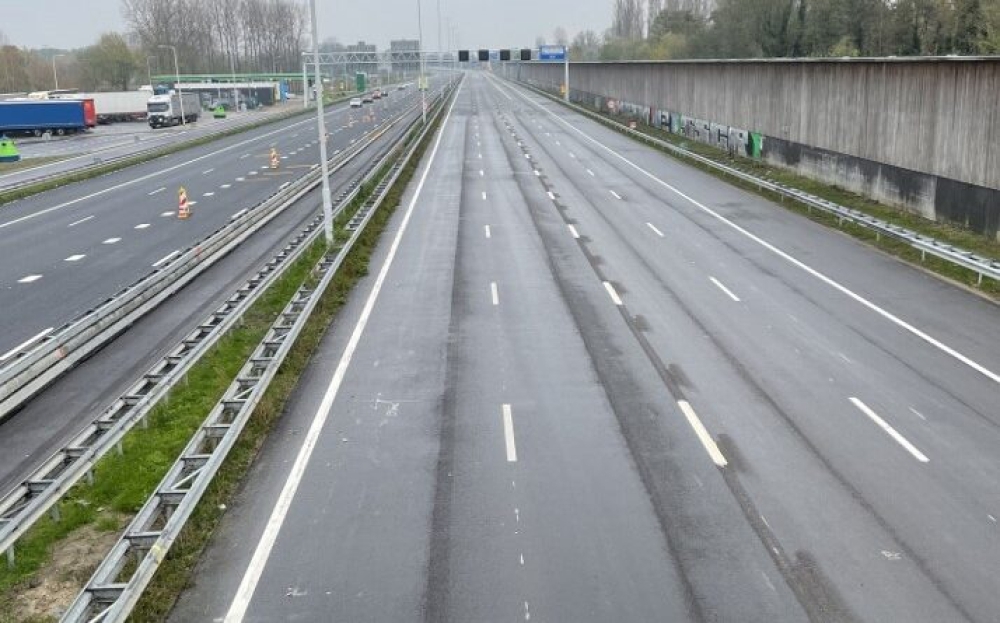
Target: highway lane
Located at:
point(71, 248)
point(892, 438)
point(472, 467)
point(52, 418)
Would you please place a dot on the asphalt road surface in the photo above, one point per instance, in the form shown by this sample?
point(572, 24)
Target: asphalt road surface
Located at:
point(585, 382)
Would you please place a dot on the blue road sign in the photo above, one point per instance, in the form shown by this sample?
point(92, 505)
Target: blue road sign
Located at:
point(552, 53)
point(494, 55)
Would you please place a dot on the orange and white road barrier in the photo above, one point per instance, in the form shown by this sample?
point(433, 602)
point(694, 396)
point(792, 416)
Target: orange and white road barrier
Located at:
point(183, 207)
point(274, 158)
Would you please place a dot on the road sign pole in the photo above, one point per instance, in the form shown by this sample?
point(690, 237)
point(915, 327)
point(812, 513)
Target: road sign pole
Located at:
point(566, 76)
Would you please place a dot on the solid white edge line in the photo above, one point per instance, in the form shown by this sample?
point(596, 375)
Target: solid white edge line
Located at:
point(166, 258)
point(782, 254)
point(654, 228)
point(241, 601)
point(612, 293)
point(494, 293)
point(699, 429)
point(889, 430)
point(724, 289)
point(573, 232)
point(20, 347)
point(508, 434)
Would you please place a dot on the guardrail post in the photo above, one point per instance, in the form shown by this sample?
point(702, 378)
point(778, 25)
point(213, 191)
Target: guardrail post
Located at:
point(54, 513)
point(90, 477)
point(120, 448)
point(979, 280)
point(11, 559)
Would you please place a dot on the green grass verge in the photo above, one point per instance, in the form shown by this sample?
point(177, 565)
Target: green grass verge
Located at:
point(123, 482)
point(79, 176)
point(944, 232)
point(27, 163)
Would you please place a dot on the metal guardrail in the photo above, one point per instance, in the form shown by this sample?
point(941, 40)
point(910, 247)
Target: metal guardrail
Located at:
point(28, 371)
point(119, 581)
point(982, 266)
point(42, 490)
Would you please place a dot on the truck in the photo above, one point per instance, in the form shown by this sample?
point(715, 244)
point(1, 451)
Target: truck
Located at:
point(46, 117)
point(115, 105)
point(165, 110)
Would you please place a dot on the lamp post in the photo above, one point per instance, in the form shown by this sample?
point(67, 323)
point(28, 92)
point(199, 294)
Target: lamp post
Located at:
point(55, 74)
point(440, 59)
point(149, 70)
point(321, 129)
point(420, 52)
point(177, 84)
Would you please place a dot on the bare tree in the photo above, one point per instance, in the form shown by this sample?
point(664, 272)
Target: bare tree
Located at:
point(627, 21)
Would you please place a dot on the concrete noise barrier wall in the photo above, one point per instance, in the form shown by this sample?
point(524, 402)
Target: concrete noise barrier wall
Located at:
point(922, 134)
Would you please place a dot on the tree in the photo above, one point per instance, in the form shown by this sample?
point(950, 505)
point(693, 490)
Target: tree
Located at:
point(559, 36)
point(586, 46)
point(109, 61)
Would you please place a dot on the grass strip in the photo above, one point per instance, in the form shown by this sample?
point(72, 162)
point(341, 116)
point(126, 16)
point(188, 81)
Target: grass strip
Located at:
point(79, 176)
point(28, 163)
point(943, 232)
point(177, 569)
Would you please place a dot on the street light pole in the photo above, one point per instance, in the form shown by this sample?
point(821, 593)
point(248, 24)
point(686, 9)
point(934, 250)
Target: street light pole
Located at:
point(177, 84)
point(321, 129)
point(55, 74)
point(420, 51)
point(439, 59)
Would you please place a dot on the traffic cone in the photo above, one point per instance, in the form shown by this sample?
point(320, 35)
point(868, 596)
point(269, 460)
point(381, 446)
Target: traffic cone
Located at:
point(183, 208)
point(274, 158)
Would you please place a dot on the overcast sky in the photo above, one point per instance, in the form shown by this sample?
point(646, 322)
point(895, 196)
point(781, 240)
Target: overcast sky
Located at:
point(480, 23)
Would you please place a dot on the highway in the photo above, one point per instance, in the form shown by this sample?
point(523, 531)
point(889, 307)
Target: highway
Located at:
point(33, 231)
point(72, 247)
point(585, 382)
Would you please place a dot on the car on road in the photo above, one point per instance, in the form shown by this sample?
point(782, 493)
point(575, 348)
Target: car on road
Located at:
point(376, 95)
point(367, 99)
point(401, 87)
point(356, 102)
point(385, 93)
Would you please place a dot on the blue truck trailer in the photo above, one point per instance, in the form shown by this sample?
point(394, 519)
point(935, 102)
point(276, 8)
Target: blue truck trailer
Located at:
point(37, 117)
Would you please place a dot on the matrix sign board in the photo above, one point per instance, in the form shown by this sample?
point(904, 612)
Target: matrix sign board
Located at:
point(552, 53)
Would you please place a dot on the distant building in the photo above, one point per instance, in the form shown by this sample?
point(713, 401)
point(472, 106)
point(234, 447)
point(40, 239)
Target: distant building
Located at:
point(361, 56)
point(405, 55)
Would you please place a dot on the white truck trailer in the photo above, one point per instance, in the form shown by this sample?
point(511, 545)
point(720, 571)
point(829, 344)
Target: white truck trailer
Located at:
point(115, 105)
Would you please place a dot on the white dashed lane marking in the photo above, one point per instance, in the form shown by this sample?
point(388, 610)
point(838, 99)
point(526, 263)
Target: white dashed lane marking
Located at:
point(112, 241)
point(29, 279)
point(75, 258)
